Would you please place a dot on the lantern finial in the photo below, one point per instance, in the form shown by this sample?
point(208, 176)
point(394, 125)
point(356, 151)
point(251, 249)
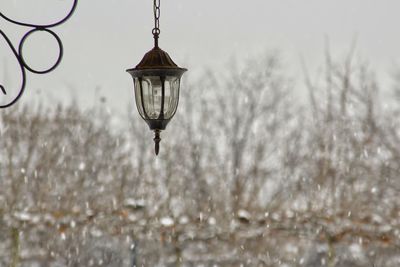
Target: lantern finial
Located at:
point(157, 140)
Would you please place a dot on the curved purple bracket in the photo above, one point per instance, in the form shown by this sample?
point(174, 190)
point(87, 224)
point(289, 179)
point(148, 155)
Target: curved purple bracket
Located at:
point(19, 54)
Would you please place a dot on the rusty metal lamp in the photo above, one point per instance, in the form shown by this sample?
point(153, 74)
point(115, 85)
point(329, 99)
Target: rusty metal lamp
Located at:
point(157, 83)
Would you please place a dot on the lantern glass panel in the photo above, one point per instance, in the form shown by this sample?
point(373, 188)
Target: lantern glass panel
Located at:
point(155, 101)
point(172, 85)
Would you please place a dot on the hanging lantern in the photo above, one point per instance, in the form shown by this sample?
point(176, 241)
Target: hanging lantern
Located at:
point(157, 82)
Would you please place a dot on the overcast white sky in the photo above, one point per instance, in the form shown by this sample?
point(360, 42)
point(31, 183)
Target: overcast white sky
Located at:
point(105, 37)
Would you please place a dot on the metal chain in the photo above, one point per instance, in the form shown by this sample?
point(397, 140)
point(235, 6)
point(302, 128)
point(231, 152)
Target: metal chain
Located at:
point(157, 12)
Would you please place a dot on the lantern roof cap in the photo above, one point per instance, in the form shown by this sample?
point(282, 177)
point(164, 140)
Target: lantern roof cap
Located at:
point(156, 58)
point(156, 62)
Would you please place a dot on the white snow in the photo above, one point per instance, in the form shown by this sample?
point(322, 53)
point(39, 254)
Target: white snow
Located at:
point(167, 221)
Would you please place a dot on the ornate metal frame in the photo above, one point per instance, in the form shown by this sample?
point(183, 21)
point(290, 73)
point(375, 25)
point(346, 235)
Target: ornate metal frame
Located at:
point(19, 53)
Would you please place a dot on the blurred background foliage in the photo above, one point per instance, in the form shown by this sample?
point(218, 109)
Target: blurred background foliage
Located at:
point(249, 174)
